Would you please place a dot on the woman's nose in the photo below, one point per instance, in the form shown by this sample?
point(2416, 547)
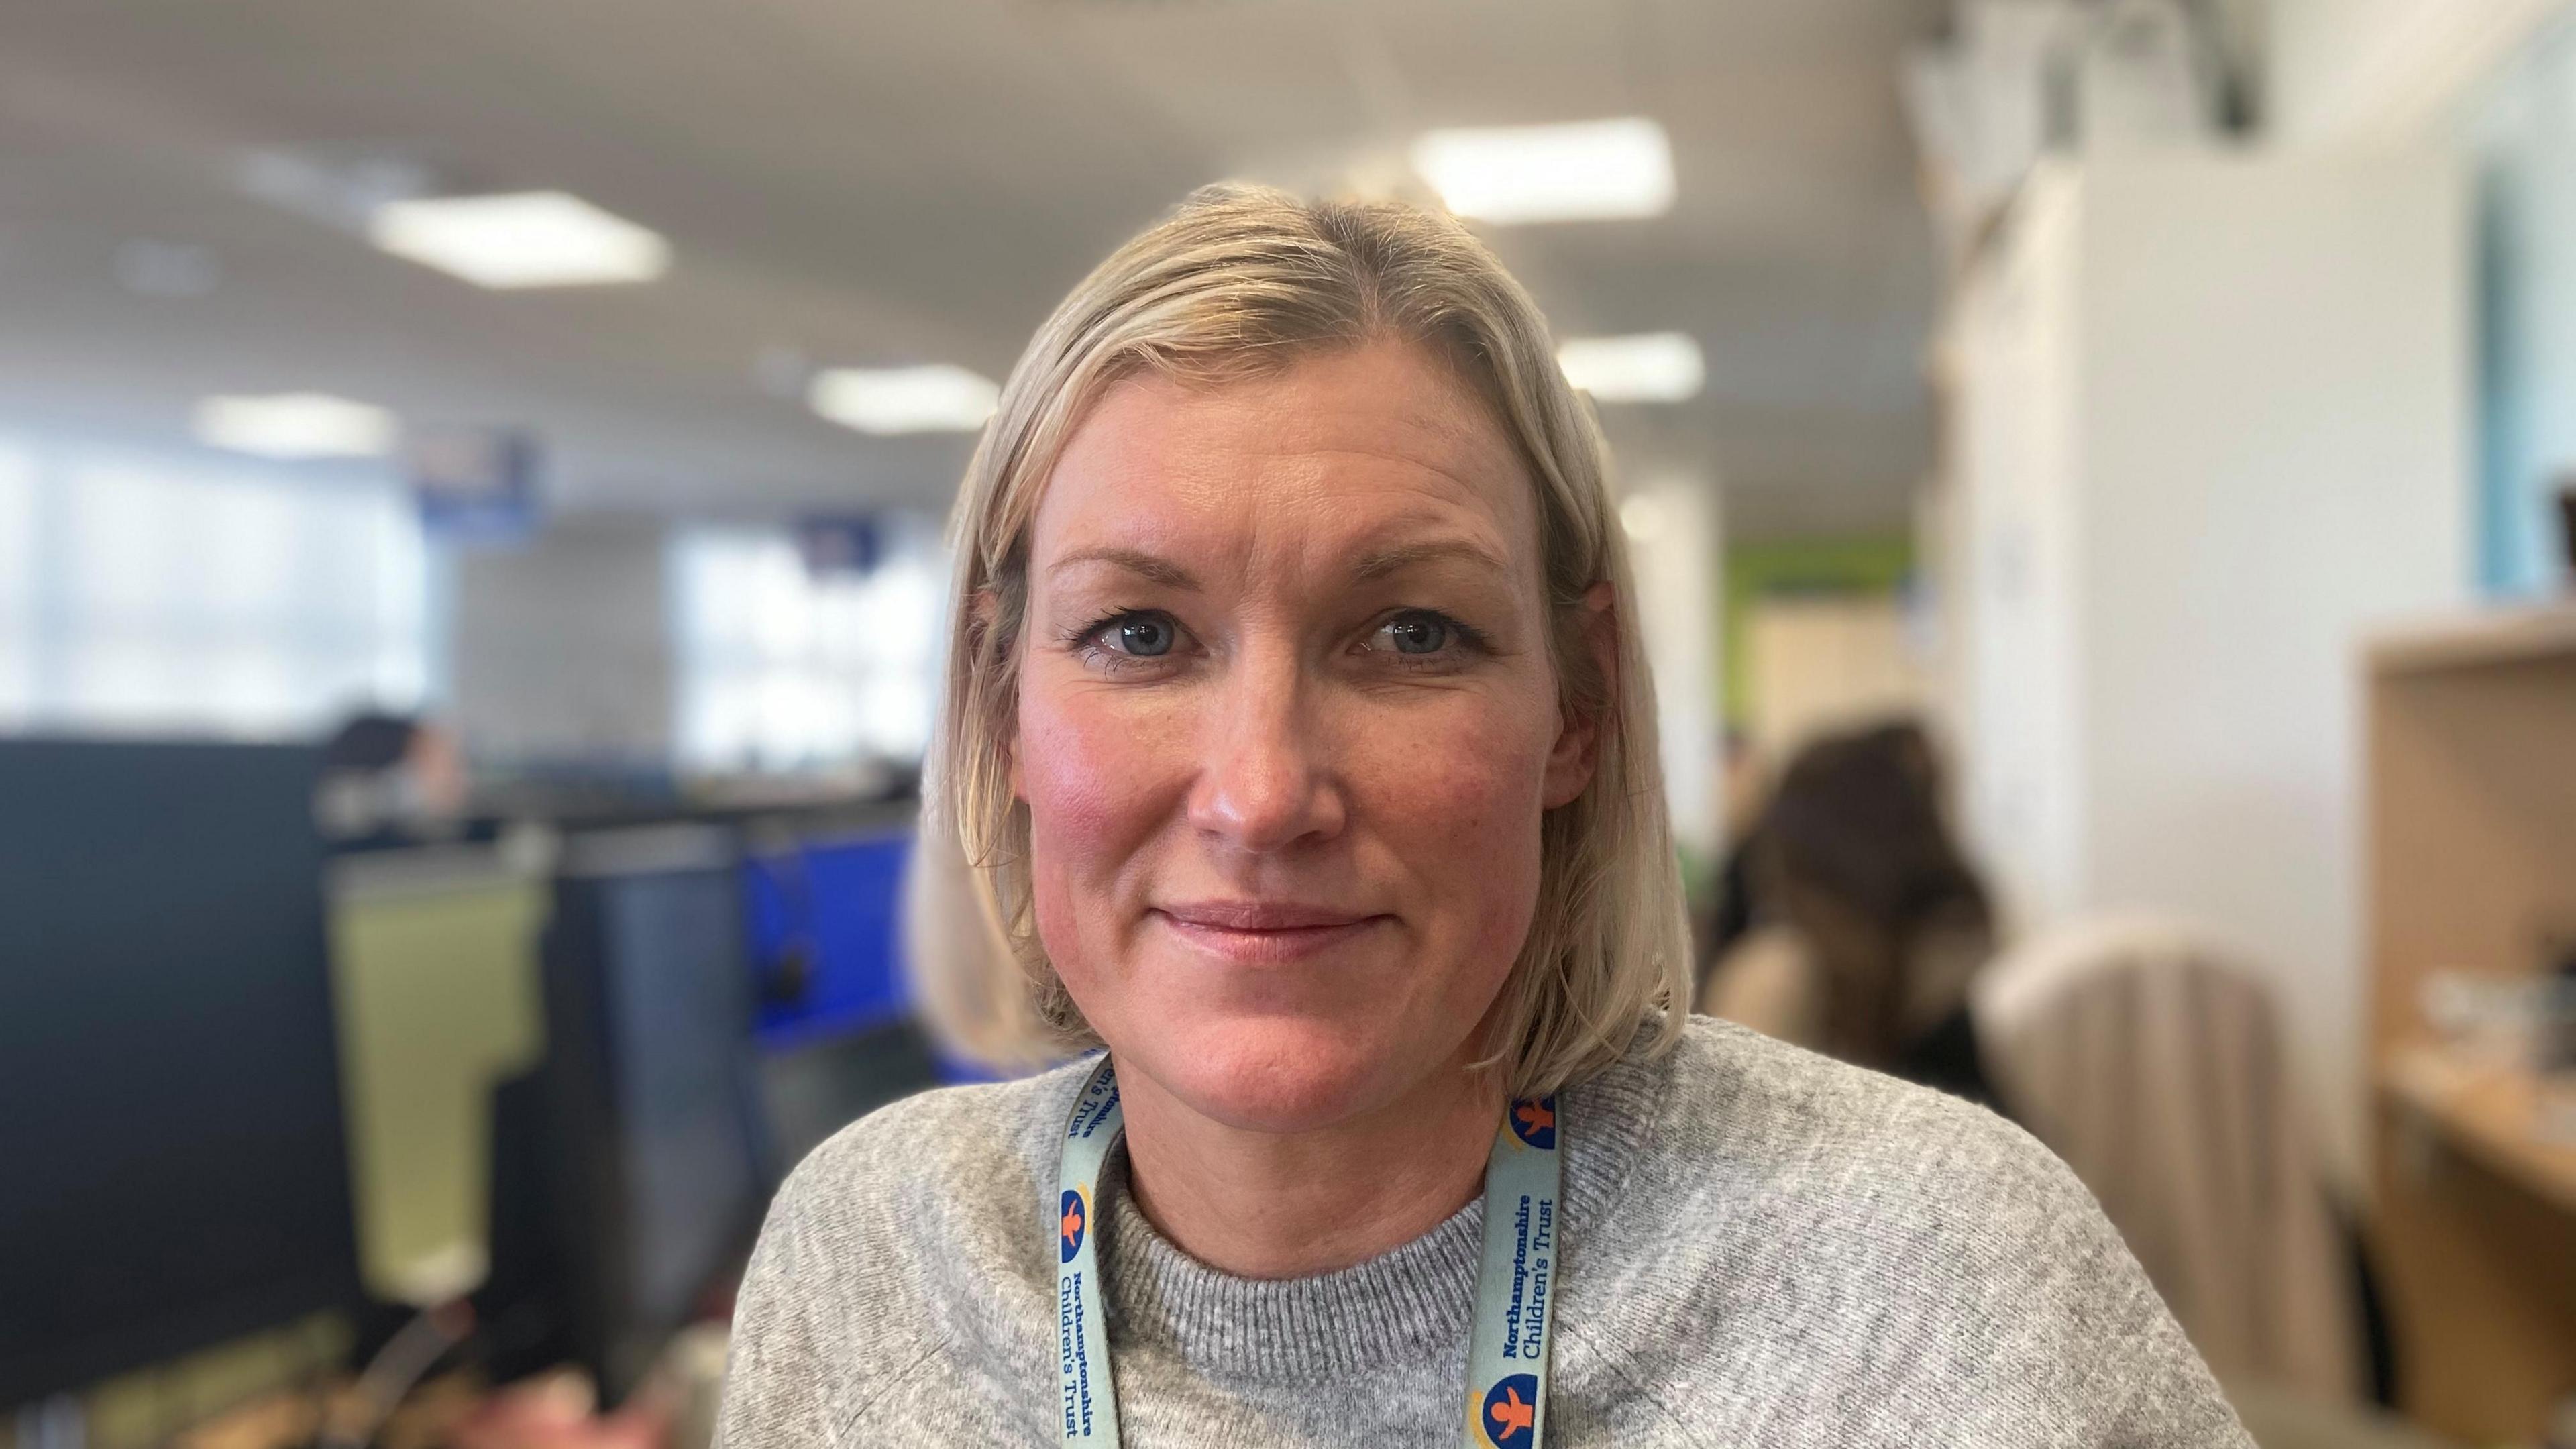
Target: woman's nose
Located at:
point(1266, 782)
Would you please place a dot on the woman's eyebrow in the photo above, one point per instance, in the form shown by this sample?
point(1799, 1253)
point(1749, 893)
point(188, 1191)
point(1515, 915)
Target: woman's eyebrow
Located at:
point(1148, 566)
point(1379, 563)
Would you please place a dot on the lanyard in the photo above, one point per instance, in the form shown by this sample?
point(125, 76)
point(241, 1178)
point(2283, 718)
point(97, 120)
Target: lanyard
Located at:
point(1506, 1358)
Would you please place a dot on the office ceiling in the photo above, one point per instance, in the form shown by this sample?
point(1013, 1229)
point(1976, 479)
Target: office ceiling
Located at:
point(866, 182)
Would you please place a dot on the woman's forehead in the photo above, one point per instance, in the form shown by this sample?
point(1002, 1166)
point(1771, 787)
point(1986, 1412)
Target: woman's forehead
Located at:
point(1357, 449)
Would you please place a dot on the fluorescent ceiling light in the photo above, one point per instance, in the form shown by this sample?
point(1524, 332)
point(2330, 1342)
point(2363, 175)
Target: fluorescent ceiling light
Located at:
point(1589, 171)
point(296, 425)
point(1650, 367)
point(523, 239)
point(935, 399)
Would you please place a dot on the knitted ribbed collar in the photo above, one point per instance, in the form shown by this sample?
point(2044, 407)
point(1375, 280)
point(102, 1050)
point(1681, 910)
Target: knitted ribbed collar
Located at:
point(1403, 1307)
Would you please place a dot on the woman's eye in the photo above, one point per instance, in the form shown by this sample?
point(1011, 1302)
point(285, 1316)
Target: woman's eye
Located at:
point(1143, 635)
point(1135, 634)
point(1418, 633)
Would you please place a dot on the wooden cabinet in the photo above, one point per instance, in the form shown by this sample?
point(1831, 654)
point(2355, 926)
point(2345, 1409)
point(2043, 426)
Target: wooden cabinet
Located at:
point(2472, 816)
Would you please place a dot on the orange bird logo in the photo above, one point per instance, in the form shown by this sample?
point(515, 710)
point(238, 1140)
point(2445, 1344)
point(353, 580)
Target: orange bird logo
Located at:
point(1511, 1409)
point(1070, 1225)
point(1511, 1416)
point(1535, 1122)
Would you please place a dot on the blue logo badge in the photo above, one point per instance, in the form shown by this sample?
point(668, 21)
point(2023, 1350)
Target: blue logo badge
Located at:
point(1074, 1222)
point(1535, 1123)
point(1510, 1419)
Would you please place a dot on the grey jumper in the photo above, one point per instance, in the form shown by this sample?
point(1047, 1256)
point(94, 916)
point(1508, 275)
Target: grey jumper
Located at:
point(1763, 1249)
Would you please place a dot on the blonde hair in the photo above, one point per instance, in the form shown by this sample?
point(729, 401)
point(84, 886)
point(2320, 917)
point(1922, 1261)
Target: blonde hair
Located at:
point(1240, 282)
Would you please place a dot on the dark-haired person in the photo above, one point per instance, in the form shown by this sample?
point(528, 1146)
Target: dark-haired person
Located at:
point(391, 780)
point(1876, 922)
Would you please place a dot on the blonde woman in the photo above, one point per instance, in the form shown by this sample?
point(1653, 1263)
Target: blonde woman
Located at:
point(1299, 732)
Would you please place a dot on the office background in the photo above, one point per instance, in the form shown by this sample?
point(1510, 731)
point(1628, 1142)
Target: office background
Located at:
point(472, 593)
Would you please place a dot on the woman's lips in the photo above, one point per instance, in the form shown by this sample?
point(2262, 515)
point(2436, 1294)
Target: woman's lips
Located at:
point(1264, 932)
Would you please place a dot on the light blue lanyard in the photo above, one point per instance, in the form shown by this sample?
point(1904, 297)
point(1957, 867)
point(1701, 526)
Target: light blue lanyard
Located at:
point(1506, 1358)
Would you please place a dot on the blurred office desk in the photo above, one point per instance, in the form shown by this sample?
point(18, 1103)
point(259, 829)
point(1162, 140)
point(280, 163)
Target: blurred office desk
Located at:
point(2472, 822)
point(428, 1420)
point(2491, 1114)
point(458, 1411)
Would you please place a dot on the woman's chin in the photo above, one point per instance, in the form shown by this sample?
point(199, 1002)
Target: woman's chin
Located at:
point(1282, 1076)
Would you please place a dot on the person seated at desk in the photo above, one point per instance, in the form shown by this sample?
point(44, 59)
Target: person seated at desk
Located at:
point(392, 780)
point(1868, 921)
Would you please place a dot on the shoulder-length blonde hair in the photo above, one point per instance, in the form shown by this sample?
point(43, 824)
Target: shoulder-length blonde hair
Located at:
point(1238, 283)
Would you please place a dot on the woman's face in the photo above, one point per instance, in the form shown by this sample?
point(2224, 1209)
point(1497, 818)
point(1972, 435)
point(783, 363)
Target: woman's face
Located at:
point(1287, 724)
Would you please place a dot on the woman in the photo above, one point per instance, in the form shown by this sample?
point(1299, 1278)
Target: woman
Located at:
point(1298, 720)
point(1878, 921)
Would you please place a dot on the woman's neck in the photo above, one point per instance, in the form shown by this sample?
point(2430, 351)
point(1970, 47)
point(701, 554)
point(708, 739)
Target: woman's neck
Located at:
point(1289, 1205)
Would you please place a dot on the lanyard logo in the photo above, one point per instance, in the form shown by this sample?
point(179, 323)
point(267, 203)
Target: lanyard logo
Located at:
point(1510, 1417)
point(1534, 1122)
point(1073, 1221)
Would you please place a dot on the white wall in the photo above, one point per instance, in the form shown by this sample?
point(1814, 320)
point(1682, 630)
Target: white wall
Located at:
point(1828, 663)
point(2280, 463)
point(1673, 545)
point(2010, 633)
point(2384, 69)
point(2225, 435)
point(561, 648)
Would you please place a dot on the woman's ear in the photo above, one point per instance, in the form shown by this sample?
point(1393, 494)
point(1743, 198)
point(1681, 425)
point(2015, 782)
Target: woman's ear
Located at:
point(1578, 740)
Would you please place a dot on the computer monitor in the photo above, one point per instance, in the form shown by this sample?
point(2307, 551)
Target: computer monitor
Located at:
point(172, 1168)
point(631, 1168)
point(836, 1034)
point(825, 916)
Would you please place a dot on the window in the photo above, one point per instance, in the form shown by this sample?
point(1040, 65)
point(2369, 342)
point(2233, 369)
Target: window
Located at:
point(17, 583)
point(2523, 127)
point(785, 668)
point(143, 594)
